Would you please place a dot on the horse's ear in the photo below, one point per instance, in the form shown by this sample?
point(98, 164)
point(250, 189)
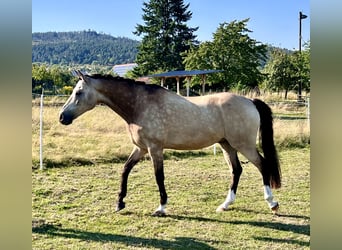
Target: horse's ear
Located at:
point(81, 75)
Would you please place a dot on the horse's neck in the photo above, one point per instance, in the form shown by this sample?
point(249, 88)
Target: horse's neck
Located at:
point(120, 97)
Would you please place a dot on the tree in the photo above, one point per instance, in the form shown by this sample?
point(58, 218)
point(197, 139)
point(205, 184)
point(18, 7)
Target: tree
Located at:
point(52, 78)
point(234, 52)
point(303, 67)
point(280, 71)
point(286, 70)
point(165, 36)
point(40, 77)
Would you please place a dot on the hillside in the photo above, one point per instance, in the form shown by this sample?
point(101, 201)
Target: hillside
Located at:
point(83, 47)
point(88, 47)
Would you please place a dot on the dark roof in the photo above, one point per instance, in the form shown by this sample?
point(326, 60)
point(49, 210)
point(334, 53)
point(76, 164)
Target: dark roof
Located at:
point(184, 73)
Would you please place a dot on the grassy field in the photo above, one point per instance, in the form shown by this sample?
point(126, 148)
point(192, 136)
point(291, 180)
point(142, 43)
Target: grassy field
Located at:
point(74, 198)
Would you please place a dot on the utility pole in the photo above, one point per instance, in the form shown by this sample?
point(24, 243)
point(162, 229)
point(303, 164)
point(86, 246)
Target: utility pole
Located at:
point(301, 16)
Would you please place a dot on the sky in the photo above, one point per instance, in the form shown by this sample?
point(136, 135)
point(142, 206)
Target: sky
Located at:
point(274, 22)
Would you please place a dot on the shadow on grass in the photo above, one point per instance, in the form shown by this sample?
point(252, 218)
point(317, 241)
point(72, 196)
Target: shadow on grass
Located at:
point(298, 229)
point(78, 161)
point(303, 217)
point(290, 118)
point(178, 243)
point(174, 154)
point(283, 241)
point(120, 158)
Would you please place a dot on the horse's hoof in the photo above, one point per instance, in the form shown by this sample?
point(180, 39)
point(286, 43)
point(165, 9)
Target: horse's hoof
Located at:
point(221, 209)
point(120, 206)
point(159, 214)
point(275, 208)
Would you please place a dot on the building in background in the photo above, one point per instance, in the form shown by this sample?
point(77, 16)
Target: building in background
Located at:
point(122, 69)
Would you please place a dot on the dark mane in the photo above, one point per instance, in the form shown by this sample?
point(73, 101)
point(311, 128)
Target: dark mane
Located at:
point(111, 77)
point(128, 80)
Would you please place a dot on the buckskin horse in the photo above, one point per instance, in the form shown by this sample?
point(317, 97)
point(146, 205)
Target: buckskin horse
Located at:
point(159, 119)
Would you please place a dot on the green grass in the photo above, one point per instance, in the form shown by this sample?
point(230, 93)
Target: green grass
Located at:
point(74, 198)
point(74, 207)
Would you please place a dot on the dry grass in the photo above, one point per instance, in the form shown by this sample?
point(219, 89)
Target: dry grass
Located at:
point(99, 133)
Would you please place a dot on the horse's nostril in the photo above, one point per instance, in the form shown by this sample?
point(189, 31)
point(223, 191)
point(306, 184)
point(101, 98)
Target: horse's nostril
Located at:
point(65, 119)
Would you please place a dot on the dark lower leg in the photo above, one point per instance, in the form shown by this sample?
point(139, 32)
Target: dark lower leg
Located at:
point(236, 173)
point(131, 162)
point(160, 181)
point(158, 163)
point(230, 155)
point(123, 186)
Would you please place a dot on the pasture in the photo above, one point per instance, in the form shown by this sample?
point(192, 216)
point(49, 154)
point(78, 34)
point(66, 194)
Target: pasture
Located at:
point(74, 198)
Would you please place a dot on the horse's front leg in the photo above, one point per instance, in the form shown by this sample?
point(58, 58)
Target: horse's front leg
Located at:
point(230, 155)
point(133, 159)
point(158, 164)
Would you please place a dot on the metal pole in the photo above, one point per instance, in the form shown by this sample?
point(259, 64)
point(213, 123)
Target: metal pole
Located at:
point(300, 31)
point(300, 49)
point(41, 131)
point(301, 16)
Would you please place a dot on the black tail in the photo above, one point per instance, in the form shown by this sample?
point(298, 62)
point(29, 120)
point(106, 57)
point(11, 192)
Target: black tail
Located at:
point(267, 143)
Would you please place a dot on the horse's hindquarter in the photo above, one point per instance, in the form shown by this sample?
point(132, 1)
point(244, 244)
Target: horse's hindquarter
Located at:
point(241, 120)
point(237, 118)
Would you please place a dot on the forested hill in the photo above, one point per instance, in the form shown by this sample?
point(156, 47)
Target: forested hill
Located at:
point(83, 47)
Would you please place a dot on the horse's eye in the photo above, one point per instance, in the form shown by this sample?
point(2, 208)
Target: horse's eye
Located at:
point(78, 93)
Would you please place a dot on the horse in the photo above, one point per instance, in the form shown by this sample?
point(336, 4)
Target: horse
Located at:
point(159, 119)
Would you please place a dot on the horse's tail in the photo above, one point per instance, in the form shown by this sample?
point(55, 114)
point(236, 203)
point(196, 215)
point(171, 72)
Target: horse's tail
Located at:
point(271, 162)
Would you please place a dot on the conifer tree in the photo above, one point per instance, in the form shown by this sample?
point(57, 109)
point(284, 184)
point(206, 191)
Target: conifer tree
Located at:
point(165, 36)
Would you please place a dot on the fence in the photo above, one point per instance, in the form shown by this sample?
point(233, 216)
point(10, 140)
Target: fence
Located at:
point(40, 97)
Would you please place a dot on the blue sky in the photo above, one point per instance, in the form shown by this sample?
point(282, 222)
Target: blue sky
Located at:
point(274, 22)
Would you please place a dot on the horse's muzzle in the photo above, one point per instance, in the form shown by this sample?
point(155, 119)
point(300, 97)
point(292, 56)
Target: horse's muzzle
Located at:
point(65, 119)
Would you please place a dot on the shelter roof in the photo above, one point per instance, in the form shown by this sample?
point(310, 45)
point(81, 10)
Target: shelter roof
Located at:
point(184, 73)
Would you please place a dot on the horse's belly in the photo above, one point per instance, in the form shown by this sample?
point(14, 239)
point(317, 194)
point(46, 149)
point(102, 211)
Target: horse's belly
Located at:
point(190, 145)
point(193, 137)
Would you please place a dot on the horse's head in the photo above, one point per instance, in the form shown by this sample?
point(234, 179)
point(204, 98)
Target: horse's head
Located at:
point(82, 99)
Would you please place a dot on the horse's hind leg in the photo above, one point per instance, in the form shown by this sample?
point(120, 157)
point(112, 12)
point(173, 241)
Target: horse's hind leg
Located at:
point(230, 155)
point(253, 155)
point(156, 154)
point(133, 159)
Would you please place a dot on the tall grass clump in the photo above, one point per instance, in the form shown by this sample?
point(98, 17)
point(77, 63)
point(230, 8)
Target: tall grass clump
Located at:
point(291, 133)
point(291, 124)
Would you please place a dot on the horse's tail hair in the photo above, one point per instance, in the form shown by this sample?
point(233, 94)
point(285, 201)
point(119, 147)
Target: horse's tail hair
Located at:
point(271, 162)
